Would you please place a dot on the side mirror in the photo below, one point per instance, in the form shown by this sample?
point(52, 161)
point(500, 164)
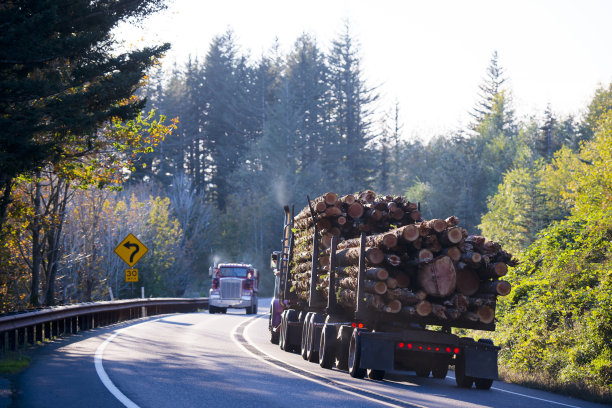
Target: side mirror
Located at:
point(274, 260)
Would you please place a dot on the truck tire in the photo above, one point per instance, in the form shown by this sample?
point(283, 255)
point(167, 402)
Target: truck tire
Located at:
point(283, 330)
point(462, 380)
point(212, 309)
point(305, 329)
point(255, 307)
point(483, 383)
point(313, 340)
point(354, 359)
point(274, 335)
point(343, 341)
point(439, 371)
point(423, 372)
point(377, 375)
point(327, 347)
point(292, 316)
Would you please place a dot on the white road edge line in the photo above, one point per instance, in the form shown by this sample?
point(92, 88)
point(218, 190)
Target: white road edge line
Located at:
point(529, 396)
point(233, 334)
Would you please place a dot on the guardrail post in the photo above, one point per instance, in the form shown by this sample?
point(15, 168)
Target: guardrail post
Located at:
point(47, 334)
point(29, 336)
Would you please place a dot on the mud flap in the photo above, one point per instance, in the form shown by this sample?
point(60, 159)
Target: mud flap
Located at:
point(377, 353)
point(480, 360)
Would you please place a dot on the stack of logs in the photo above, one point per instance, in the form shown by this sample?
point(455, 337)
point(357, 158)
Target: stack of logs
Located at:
point(414, 267)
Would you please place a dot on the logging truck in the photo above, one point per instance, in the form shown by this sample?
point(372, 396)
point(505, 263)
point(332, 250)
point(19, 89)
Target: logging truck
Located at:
point(234, 285)
point(371, 322)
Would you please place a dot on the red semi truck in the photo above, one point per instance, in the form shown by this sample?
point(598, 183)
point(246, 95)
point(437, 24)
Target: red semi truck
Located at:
point(234, 285)
point(367, 342)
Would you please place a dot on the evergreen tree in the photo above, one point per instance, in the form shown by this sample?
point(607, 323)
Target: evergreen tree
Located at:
point(490, 87)
point(60, 78)
point(352, 101)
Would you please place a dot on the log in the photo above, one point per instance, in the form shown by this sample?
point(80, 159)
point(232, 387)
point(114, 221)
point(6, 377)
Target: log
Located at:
point(439, 311)
point(453, 253)
point(468, 282)
point(458, 301)
point(375, 287)
point(438, 278)
point(451, 236)
point(348, 199)
point(486, 314)
point(425, 255)
point(471, 316)
point(493, 270)
point(471, 258)
point(367, 196)
point(355, 210)
point(391, 283)
point(406, 296)
point(370, 273)
point(499, 287)
point(452, 313)
point(350, 256)
point(423, 308)
point(436, 224)
point(403, 280)
point(415, 215)
point(394, 306)
point(452, 221)
point(393, 260)
point(409, 233)
point(385, 240)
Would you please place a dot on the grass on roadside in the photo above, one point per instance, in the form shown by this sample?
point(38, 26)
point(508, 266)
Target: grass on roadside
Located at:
point(543, 382)
point(13, 363)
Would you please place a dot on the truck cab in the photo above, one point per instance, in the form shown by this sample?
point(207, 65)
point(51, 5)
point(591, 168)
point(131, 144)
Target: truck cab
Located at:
point(234, 285)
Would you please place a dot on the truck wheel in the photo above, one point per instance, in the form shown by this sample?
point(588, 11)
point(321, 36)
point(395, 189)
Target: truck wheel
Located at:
point(354, 358)
point(292, 316)
point(462, 380)
point(212, 309)
point(423, 372)
point(283, 330)
point(305, 329)
point(254, 307)
point(224, 310)
point(342, 347)
point(483, 384)
point(327, 349)
point(313, 340)
point(439, 371)
point(376, 374)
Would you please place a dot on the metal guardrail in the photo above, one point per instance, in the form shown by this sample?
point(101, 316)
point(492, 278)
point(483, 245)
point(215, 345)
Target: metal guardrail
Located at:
point(23, 329)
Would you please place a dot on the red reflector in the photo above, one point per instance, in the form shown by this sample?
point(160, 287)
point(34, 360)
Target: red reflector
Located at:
point(420, 347)
point(456, 350)
point(354, 324)
point(428, 348)
point(409, 345)
point(361, 325)
point(401, 345)
point(437, 348)
point(448, 349)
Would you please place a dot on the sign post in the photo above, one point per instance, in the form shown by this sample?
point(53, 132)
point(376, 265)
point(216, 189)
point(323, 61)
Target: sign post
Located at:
point(130, 250)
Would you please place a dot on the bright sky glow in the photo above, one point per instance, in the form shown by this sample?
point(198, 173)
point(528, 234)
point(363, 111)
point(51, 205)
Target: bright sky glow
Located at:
point(430, 56)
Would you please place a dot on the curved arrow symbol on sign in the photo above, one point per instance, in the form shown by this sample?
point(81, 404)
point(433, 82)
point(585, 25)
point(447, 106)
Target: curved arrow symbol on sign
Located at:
point(129, 245)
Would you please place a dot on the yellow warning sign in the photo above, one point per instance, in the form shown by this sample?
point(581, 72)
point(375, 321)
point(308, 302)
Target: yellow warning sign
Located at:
point(131, 250)
point(131, 275)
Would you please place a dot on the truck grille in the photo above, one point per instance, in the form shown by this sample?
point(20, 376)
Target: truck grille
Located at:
point(231, 288)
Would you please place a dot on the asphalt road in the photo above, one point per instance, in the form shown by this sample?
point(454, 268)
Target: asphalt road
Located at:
point(202, 360)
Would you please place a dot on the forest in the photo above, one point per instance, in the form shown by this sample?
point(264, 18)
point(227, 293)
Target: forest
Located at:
point(198, 162)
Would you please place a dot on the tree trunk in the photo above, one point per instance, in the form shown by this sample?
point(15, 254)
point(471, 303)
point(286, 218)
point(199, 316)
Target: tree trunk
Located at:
point(438, 278)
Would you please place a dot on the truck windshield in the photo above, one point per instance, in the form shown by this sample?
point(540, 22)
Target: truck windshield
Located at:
point(226, 272)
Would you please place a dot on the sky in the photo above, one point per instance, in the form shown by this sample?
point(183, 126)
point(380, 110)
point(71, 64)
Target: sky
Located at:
point(429, 57)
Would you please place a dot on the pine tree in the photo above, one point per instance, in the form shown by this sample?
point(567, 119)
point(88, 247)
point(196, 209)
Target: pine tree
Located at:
point(352, 101)
point(60, 78)
point(491, 86)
